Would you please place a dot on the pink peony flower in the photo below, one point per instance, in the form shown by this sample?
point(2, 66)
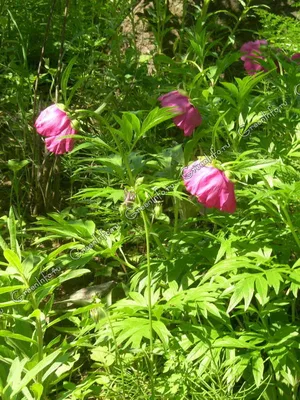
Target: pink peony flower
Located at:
point(54, 123)
point(295, 56)
point(251, 54)
point(211, 186)
point(189, 117)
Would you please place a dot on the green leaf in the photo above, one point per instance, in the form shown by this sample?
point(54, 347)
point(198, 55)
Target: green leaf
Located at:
point(211, 308)
point(37, 389)
point(274, 278)
point(297, 263)
point(56, 252)
point(128, 124)
point(235, 368)
point(262, 290)
point(14, 377)
point(72, 313)
point(77, 229)
point(247, 166)
point(162, 332)
point(16, 165)
point(257, 368)
point(3, 244)
point(132, 330)
point(244, 289)
point(156, 117)
point(230, 342)
point(53, 282)
point(65, 77)
point(114, 165)
point(247, 84)
point(94, 142)
point(232, 88)
point(248, 290)
point(13, 260)
point(103, 355)
point(8, 289)
point(28, 265)
point(135, 122)
point(138, 298)
point(230, 265)
point(73, 90)
point(11, 223)
point(17, 336)
point(31, 374)
point(197, 351)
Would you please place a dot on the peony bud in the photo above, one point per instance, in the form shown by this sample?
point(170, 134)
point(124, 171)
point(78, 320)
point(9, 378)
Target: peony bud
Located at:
point(122, 209)
point(75, 124)
point(157, 210)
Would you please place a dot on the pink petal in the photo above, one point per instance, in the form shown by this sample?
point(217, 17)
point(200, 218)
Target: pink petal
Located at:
point(228, 202)
point(60, 146)
point(189, 117)
point(179, 121)
point(295, 56)
point(210, 200)
point(251, 67)
point(174, 99)
point(52, 121)
point(192, 120)
point(252, 53)
point(211, 186)
point(189, 120)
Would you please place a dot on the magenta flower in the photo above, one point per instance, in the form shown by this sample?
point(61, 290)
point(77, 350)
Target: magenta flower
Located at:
point(251, 54)
point(211, 186)
point(296, 56)
point(54, 123)
point(189, 117)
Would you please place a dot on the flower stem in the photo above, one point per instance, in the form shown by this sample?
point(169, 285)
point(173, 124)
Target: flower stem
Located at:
point(176, 211)
point(149, 281)
point(149, 275)
point(39, 334)
point(290, 224)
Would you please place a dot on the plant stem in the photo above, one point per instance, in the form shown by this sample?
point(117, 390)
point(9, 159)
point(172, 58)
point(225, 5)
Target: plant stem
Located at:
point(159, 40)
point(149, 278)
point(39, 332)
point(244, 13)
point(293, 304)
point(16, 188)
point(118, 357)
point(176, 211)
point(131, 183)
point(36, 84)
point(149, 281)
point(288, 221)
point(204, 10)
point(61, 51)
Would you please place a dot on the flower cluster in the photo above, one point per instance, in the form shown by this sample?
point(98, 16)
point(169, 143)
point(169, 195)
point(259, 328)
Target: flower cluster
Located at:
point(209, 184)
